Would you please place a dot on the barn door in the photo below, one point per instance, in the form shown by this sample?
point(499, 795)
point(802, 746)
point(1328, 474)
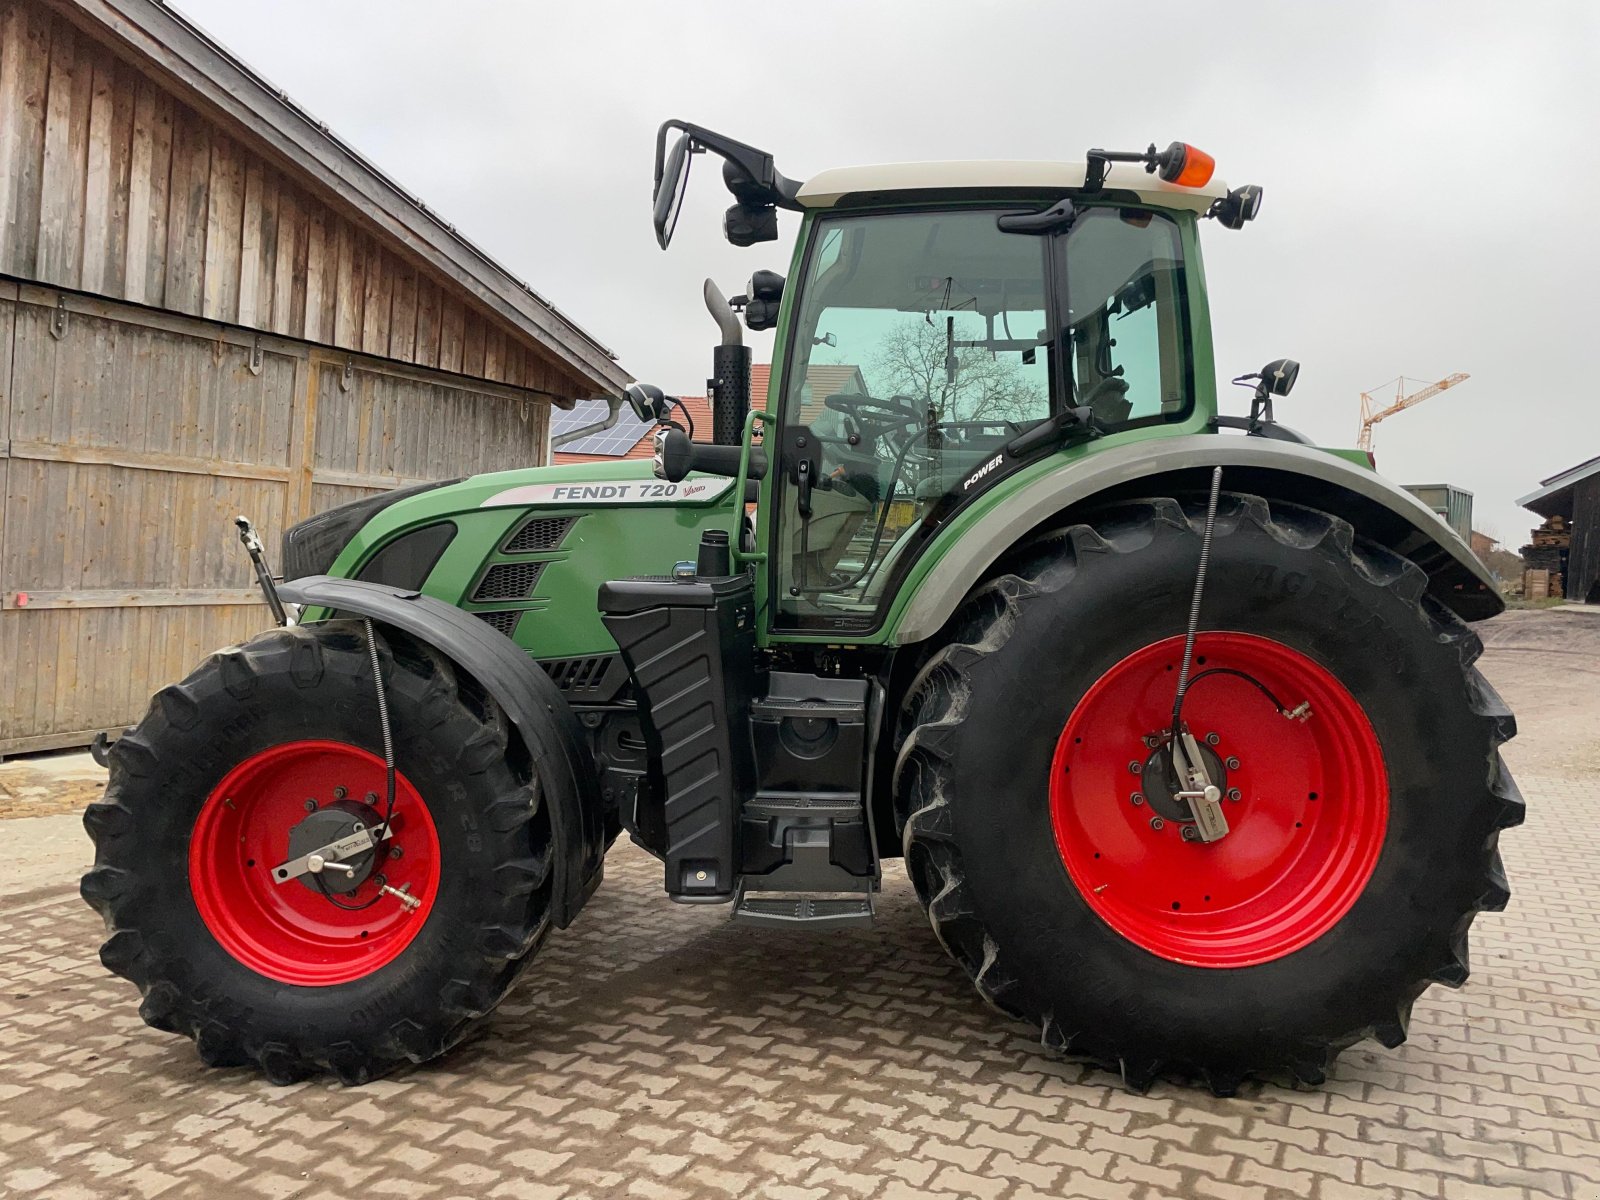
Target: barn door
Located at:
point(131, 440)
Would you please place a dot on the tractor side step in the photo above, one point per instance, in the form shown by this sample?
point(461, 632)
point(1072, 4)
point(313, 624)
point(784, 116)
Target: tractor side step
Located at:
point(788, 911)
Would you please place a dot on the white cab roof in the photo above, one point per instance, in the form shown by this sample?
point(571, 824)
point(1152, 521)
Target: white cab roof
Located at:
point(828, 188)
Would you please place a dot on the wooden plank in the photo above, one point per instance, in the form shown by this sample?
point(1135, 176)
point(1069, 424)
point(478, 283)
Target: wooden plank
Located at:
point(302, 439)
point(403, 317)
point(426, 351)
point(494, 353)
point(452, 335)
point(376, 300)
point(250, 238)
point(286, 248)
point(97, 177)
point(57, 741)
point(24, 87)
point(8, 313)
point(66, 135)
point(145, 598)
point(140, 188)
point(149, 460)
point(473, 348)
point(224, 229)
point(266, 286)
point(162, 191)
point(320, 275)
point(184, 287)
point(124, 95)
point(346, 288)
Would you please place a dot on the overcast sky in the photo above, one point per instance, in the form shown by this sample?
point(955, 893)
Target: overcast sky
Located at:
point(1431, 169)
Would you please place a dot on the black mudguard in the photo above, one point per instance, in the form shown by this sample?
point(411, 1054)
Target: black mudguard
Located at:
point(519, 685)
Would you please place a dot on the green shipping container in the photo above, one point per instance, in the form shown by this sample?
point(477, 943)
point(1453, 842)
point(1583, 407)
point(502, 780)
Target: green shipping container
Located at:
point(1452, 504)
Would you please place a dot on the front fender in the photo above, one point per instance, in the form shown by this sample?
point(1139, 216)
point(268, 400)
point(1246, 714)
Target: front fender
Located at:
point(1277, 470)
point(519, 685)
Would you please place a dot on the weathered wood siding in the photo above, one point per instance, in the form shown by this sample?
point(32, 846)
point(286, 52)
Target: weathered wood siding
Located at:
point(130, 438)
point(108, 184)
point(1583, 557)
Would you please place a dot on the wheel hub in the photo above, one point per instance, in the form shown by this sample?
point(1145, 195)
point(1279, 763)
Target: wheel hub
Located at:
point(339, 819)
point(1161, 784)
point(266, 808)
point(1307, 802)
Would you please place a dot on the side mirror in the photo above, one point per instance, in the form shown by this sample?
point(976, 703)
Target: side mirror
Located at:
point(649, 403)
point(672, 180)
point(1279, 375)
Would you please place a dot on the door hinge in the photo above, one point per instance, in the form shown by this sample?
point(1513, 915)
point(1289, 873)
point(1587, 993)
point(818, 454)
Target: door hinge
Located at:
point(58, 319)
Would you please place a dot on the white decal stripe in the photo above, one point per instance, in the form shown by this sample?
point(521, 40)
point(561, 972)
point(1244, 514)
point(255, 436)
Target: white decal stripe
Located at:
point(607, 492)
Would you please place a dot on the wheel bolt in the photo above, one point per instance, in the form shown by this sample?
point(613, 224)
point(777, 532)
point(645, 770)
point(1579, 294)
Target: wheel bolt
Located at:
point(1212, 739)
point(1190, 833)
point(1137, 798)
point(396, 852)
point(339, 793)
point(1234, 793)
point(372, 797)
point(1135, 768)
point(311, 804)
point(1156, 823)
point(1232, 763)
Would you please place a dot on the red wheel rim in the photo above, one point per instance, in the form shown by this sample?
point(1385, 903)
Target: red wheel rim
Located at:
point(286, 931)
point(1305, 830)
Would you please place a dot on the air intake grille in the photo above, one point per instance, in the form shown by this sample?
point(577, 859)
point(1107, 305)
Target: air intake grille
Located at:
point(509, 581)
point(505, 622)
point(577, 673)
point(596, 678)
point(539, 533)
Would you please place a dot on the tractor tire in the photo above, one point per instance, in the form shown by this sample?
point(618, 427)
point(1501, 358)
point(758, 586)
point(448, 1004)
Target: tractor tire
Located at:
point(301, 976)
point(1042, 838)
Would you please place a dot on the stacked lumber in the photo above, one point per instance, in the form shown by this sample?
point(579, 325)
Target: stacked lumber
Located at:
point(1544, 559)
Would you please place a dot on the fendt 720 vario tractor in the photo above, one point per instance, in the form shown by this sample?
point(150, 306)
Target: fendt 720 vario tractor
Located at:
point(1172, 716)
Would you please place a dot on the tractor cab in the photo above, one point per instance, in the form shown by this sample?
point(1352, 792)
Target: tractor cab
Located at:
point(947, 326)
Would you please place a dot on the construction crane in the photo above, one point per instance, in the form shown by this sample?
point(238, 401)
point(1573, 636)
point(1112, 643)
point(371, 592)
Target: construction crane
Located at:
point(1369, 418)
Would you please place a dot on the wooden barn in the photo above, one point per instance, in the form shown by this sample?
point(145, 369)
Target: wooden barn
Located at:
point(210, 305)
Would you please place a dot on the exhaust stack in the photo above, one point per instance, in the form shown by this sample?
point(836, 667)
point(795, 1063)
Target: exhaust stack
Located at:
point(728, 389)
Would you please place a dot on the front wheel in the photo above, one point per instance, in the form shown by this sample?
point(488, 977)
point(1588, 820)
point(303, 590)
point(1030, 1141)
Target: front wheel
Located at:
point(268, 753)
point(1356, 752)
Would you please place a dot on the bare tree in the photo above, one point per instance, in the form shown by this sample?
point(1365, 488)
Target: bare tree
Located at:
point(984, 386)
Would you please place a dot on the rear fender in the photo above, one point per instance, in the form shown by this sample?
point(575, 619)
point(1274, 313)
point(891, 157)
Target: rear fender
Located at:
point(534, 705)
point(1276, 470)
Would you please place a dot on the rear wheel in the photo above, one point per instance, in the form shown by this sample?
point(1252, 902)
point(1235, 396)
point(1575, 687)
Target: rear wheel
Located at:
point(267, 753)
point(1059, 868)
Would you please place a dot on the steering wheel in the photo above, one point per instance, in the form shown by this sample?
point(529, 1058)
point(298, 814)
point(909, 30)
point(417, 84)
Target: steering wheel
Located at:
point(870, 410)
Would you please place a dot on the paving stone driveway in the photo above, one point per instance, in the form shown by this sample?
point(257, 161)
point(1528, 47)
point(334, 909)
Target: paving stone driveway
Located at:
point(654, 1051)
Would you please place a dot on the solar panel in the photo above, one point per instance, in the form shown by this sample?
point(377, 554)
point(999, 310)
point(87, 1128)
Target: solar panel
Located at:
point(614, 442)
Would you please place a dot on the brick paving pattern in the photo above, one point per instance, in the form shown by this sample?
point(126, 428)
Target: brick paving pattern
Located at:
point(656, 1051)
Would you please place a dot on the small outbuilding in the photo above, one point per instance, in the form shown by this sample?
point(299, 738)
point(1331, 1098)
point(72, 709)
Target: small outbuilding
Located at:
point(1567, 545)
point(211, 305)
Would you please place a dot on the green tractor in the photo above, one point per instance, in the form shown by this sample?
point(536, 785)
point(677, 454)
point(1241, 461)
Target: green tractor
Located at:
point(1172, 716)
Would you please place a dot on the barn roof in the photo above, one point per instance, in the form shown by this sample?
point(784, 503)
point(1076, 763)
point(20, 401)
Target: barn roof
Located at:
point(1554, 494)
point(218, 82)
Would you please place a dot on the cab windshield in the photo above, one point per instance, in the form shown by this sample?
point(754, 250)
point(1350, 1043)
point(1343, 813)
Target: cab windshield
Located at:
point(924, 342)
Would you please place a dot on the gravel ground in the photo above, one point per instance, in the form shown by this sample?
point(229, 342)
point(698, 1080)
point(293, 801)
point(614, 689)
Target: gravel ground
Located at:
point(656, 1051)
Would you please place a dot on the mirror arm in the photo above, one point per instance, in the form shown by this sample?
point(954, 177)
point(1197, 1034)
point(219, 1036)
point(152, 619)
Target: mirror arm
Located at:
point(613, 405)
point(774, 187)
